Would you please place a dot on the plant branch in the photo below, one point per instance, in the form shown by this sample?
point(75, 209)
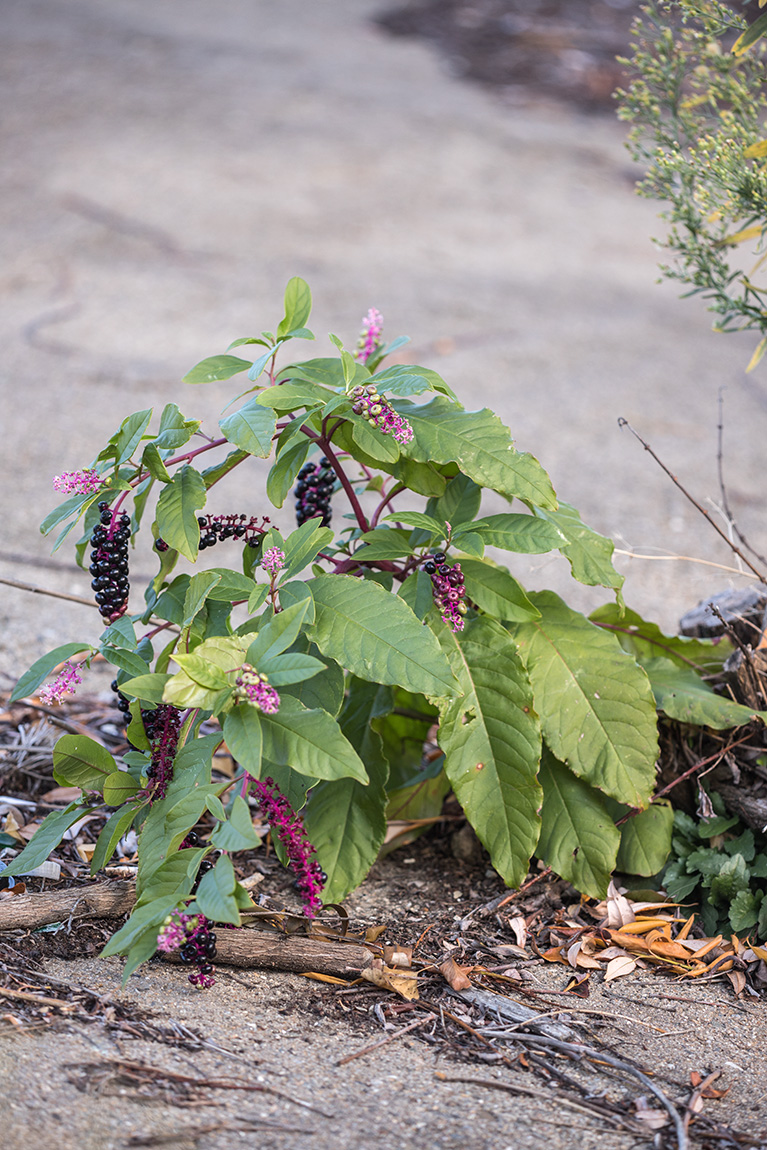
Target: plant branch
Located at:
point(736, 550)
point(343, 479)
point(396, 490)
point(53, 594)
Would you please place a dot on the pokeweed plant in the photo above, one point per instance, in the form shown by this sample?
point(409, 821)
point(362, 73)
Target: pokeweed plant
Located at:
point(346, 648)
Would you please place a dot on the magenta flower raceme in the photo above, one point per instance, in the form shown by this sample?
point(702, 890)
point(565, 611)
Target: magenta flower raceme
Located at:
point(78, 482)
point(380, 414)
point(64, 684)
point(273, 560)
point(290, 830)
point(256, 690)
point(370, 336)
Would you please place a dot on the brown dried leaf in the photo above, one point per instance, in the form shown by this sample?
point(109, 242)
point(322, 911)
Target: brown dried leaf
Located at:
point(400, 982)
point(654, 1119)
point(398, 956)
point(619, 911)
point(519, 929)
point(455, 975)
point(62, 795)
point(619, 967)
point(373, 933)
point(738, 980)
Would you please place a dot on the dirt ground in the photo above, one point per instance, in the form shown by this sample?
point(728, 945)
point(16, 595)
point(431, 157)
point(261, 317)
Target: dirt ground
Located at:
point(167, 168)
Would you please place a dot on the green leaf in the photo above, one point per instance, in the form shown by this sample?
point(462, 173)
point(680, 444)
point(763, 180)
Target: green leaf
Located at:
point(244, 738)
point(212, 474)
point(524, 534)
point(250, 428)
point(283, 474)
point(596, 707)
point(497, 592)
point(470, 543)
point(177, 509)
point(744, 910)
point(152, 461)
point(303, 545)
point(419, 520)
point(298, 306)
point(148, 688)
point(75, 505)
point(237, 833)
point(231, 585)
point(481, 446)
point(492, 744)
point(646, 840)
point(258, 365)
point(201, 671)
point(418, 593)
point(645, 640)
point(732, 878)
point(459, 504)
point(118, 824)
point(295, 393)
point(43, 667)
point(578, 838)
point(384, 543)
point(278, 634)
point(311, 742)
point(754, 32)
point(121, 633)
point(683, 696)
point(125, 441)
point(174, 431)
point(118, 788)
point(324, 690)
point(589, 554)
point(46, 839)
point(373, 442)
point(215, 894)
point(198, 590)
point(81, 762)
point(376, 636)
point(290, 668)
point(216, 367)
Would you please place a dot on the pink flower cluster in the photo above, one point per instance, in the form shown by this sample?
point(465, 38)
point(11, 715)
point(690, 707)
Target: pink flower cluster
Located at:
point(64, 684)
point(78, 482)
point(255, 689)
point(380, 414)
point(290, 830)
point(273, 560)
point(370, 336)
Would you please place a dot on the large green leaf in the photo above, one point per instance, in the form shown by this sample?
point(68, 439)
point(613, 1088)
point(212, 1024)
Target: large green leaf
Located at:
point(278, 634)
point(42, 668)
point(177, 510)
point(492, 744)
point(283, 474)
point(345, 820)
point(646, 840)
point(215, 894)
point(243, 735)
point(125, 441)
point(522, 533)
point(118, 824)
point(481, 446)
point(309, 741)
point(596, 707)
point(376, 636)
point(250, 428)
point(646, 641)
point(216, 367)
point(200, 586)
point(237, 833)
point(302, 546)
point(459, 503)
point(174, 431)
point(579, 840)
point(298, 306)
point(683, 696)
point(588, 553)
point(496, 591)
point(81, 762)
point(44, 840)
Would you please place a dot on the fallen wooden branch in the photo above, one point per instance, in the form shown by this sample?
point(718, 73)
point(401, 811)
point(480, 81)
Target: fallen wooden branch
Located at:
point(103, 899)
point(272, 950)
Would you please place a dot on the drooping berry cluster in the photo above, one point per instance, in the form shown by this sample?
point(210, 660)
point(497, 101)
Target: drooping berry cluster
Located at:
point(313, 491)
point(379, 413)
point(289, 828)
point(448, 588)
point(162, 728)
point(216, 528)
point(109, 563)
point(195, 942)
point(256, 690)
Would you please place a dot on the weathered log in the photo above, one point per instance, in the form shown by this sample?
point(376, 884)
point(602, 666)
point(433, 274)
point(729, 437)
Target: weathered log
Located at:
point(104, 899)
point(516, 1012)
point(272, 950)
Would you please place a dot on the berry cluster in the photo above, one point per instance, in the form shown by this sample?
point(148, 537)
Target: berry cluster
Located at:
point(256, 689)
point(313, 491)
point(195, 942)
point(448, 589)
point(216, 528)
point(380, 414)
point(109, 563)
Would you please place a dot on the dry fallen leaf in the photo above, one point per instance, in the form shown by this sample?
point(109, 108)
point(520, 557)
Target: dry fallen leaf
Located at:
point(619, 967)
point(402, 982)
point(455, 975)
point(619, 911)
point(519, 929)
point(398, 956)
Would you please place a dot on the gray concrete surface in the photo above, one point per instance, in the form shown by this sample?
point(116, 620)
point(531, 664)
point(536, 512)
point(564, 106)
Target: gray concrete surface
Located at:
point(168, 166)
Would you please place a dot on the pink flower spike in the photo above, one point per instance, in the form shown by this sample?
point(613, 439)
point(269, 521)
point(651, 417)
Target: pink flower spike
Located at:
point(78, 482)
point(273, 560)
point(65, 683)
point(370, 336)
